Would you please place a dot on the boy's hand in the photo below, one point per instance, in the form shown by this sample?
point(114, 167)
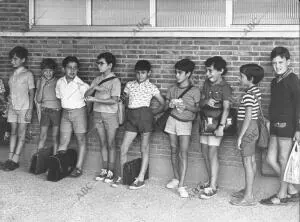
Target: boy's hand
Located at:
point(297, 137)
point(238, 143)
point(90, 99)
point(219, 131)
point(211, 102)
point(43, 81)
point(28, 115)
point(171, 104)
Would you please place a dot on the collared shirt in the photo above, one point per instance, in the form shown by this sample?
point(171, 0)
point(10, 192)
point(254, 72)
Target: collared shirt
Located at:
point(140, 94)
point(20, 82)
point(72, 93)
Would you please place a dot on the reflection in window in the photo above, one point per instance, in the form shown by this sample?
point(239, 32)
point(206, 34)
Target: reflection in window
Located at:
point(120, 12)
point(191, 13)
point(266, 11)
point(60, 12)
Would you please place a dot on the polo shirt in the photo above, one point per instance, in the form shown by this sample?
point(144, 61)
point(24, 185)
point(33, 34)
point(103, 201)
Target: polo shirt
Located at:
point(72, 93)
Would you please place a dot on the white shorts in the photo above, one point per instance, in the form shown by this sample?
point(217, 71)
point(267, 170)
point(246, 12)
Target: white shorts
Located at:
point(174, 126)
point(211, 140)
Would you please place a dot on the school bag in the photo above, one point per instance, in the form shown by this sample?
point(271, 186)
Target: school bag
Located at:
point(61, 165)
point(131, 171)
point(39, 160)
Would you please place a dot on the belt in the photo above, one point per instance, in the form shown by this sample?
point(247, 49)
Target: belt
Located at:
point(50, 109)
point(280, 125)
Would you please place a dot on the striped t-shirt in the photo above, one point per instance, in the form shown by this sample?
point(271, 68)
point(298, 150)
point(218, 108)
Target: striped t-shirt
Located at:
point(249, 100)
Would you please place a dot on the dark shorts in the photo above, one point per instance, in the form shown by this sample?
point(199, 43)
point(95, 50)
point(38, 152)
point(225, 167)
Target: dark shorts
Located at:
point(283, 127)
point(249, 139)
point(139, 120)
point(50, 116)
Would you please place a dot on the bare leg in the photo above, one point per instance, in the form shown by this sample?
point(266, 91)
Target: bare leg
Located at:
point(21, 141)
point(249, 177)
point(272, 155)
point(81, 140)
point(111, 136)
point(43, 136)
point(145, 155)
point(65, 138)
point(174, 154)
point(184, 142)
point(13, 140)
point(103, 144)
point(55, 130)
point(204, 150)
point(214, 166)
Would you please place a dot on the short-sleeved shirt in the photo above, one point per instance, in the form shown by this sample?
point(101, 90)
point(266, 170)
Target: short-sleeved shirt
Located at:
point(250, 100)
point(191, 98)
point(72, 93)
point(2, 88)
point(20, 82)
point(140, 94)
point(107, 90)
point(220, 92)
point(49, 99)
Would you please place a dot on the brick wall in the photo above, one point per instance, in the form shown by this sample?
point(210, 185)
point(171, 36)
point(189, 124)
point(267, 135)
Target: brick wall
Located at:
point(162, 53)
point(13, 15)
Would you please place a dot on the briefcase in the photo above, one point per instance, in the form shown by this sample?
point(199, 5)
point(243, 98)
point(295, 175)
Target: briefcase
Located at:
point(131, 171)
point(39, 160)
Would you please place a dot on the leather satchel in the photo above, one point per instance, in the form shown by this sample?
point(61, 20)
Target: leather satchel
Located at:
point(131, 171)
point(39, 160)
point(210, 119)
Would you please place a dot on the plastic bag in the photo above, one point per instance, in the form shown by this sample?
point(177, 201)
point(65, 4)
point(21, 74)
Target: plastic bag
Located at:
point(292, 170)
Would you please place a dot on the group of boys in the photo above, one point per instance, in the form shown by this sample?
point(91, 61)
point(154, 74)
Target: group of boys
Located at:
point(63, 104)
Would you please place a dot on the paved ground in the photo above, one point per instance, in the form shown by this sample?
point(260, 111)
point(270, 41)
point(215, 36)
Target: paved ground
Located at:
point(26, 197)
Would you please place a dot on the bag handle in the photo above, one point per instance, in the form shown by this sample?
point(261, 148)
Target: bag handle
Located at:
point(259, 103)
point(185, 91)
point(105, 80)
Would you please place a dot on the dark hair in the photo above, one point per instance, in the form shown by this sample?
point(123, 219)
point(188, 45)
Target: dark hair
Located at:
point(185, 65)
point(280, 51)
point(69, 59)
point(19, 51)
point(109, 58)
point(142, 65)
point(218, 63)
point(48, 64)
point(253, 71)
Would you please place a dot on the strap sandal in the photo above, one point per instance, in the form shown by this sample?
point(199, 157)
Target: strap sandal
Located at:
point(293, 197)
point(76, 172)
point(243, 202)
point(238, 194)
point(274, 200)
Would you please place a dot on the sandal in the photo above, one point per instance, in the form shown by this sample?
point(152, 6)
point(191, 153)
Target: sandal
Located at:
point(243, 202)
point(76, 172)
point(274, 200)
point(293, 197)
point(238, 194)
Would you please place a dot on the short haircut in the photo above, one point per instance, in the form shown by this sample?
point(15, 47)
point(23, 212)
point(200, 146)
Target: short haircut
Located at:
point(48, 63)
point(19, 51)
point(142, 65)
point(280, 51)
point(185, 65)
point(253, 71)
point(218, 63)
point(69, 59)
point(109, 58)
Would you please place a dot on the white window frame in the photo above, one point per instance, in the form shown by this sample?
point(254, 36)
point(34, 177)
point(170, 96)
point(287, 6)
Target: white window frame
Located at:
point(230, 30)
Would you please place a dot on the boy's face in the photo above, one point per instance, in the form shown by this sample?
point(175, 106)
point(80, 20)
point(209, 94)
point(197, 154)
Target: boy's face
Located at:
point(103, 66)
point(280, 64)
point(142, 75)
point(181, 75)
point(212, 74)
point(17, 62)
point(71, 70)
point(244, 81)
point(48, 73)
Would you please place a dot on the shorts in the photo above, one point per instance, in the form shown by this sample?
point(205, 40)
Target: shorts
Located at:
point(74, 119)
point(249, 139)
point(139, 120)
point(180, 128)
point(17, 116)
point(50, 116)
point(108, 121)
point(211, 140)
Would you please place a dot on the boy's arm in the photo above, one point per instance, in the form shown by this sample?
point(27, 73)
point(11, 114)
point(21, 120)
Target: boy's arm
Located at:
point(39, 92)
point(161, 101)
point(225, 113)
point(245, 125)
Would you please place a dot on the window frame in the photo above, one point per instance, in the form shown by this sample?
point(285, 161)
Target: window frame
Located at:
point(230, 30)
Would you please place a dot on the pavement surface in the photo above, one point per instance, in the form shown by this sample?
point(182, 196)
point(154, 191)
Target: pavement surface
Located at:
point(27, 197)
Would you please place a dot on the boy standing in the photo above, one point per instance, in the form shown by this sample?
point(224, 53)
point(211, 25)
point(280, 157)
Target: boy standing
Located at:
point(180, 122)
point(21, 85)
point(139, 118)
point(50, 105)
point(70, 90)
point(284, 113)
point(105, 112)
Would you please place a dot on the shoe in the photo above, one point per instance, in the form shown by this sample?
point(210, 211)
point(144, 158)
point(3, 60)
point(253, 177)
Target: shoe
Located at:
point(243, 202)
point(137, 184)
point(238, 194)
point(102, 175)
point(274, 200)
point(200, 187)
point(109, 177)
point(173, 184)
point(10, 166)
point(76, 172)
point(116, 182)
point(182, 192)
point(208, 193)
point(293, 197)
point(5, 164)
